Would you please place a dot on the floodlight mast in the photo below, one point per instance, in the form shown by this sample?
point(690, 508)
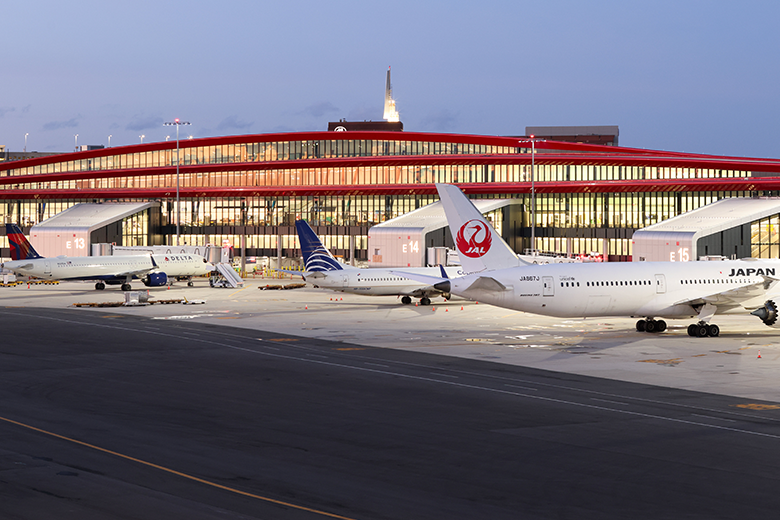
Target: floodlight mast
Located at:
point(177, 123)
point(533, 140)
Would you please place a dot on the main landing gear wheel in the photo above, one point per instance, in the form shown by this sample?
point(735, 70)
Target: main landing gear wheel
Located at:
point(190, 283)
point(126, 287)
point(425, 301)
point(100, 286)
point(406, 300)
point(702, 330)
point(650, 326)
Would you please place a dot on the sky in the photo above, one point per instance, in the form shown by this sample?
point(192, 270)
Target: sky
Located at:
point(683, 75)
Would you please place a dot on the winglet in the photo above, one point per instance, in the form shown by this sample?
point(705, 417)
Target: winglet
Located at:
point(21, 248)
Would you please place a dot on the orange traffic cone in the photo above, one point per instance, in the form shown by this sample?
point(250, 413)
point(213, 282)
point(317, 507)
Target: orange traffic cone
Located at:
point(446, 310)
point(307, 307)
point(461, 307)
point(759, 354)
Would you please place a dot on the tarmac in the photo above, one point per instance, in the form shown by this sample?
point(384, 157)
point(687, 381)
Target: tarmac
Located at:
point(743, 362)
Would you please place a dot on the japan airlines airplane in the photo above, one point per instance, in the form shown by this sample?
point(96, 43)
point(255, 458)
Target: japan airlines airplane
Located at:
point(648, 290)
point(153, 270)
point(323, 270)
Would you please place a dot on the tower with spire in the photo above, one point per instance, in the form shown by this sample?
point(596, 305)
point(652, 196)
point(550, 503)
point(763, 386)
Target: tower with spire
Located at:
point(391, 114)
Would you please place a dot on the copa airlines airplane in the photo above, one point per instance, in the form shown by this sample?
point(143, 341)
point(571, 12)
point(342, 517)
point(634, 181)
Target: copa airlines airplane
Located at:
point(153, 270)
point(649, 290)
point(323, 270)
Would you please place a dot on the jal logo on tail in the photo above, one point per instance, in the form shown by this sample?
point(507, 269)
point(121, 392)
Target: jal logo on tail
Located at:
point(474, 239)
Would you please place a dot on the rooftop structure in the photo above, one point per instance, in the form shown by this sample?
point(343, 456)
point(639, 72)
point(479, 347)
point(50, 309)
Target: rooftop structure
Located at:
point(390, 114)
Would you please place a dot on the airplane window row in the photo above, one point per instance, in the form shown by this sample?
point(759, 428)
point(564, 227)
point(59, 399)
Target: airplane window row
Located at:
point(618, 282)
point(723, 280)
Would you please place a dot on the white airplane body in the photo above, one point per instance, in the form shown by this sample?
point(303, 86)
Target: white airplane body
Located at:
point(379, 281)
point(323, 270)
point(108, 268)
point(153, 269)
point(648, 290)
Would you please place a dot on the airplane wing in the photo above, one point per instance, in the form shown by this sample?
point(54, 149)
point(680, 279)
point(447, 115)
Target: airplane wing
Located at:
point(748, 296)
point(305, 274)
point(487, 283)
point(484, 283)
point(422, 278)
point(138, 272)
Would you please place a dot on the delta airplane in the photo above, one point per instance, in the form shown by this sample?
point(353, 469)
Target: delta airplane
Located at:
point(647, 290)
point(153, 270)
point(323, 270)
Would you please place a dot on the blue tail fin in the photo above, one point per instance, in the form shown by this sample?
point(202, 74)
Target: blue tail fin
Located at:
point(316, 257)
point(21, 249)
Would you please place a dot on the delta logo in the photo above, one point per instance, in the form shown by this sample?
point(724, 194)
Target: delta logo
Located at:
point(474, 239)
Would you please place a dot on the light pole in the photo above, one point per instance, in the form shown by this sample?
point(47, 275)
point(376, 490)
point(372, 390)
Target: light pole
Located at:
point(532, 139)
point(76, 138)
point(142, 138)
point(177, 124)
point(109, 140)
point(25, 142)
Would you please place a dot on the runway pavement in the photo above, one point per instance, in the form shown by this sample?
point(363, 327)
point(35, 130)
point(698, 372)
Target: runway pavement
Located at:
point(109, 414)
point(605, 347)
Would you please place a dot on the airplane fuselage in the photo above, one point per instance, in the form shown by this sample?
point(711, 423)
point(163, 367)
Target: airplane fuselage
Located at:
point(380, 281)
point(648, 289)
point(108, 268)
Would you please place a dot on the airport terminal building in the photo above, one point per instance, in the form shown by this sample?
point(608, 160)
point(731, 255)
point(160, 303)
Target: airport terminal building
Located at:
point(249, 189)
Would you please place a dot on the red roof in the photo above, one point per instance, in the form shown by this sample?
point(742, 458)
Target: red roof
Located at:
point(549, 153)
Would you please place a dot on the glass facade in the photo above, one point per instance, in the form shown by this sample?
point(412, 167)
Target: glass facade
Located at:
point(587, 200)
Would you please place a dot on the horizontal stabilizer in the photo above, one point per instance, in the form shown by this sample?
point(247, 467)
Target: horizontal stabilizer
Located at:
point(487, 283)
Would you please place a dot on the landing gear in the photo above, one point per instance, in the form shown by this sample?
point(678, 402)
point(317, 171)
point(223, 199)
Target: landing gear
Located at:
point(406, 300)
point(127, 287)
point(702, 330)
point(100, 286)
point(425, 300)
point(650, 325)
point(190, 283)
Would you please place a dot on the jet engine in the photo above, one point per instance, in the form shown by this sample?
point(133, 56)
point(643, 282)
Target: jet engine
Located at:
point(767, 313)
point(155, 279)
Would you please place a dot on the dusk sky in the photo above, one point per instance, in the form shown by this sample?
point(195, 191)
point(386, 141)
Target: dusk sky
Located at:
point(692, 76)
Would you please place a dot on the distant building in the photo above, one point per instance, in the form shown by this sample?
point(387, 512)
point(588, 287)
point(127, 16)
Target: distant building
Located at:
point(606, 135)
point(20, 156)
point(365, 126)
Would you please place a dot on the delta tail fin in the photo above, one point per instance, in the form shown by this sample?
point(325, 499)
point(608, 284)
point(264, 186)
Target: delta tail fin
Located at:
point(316, 256)
point(21, 248)
point(479, 245)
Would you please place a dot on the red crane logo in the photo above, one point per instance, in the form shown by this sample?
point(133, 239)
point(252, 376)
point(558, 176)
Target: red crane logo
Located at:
point(474, 239)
